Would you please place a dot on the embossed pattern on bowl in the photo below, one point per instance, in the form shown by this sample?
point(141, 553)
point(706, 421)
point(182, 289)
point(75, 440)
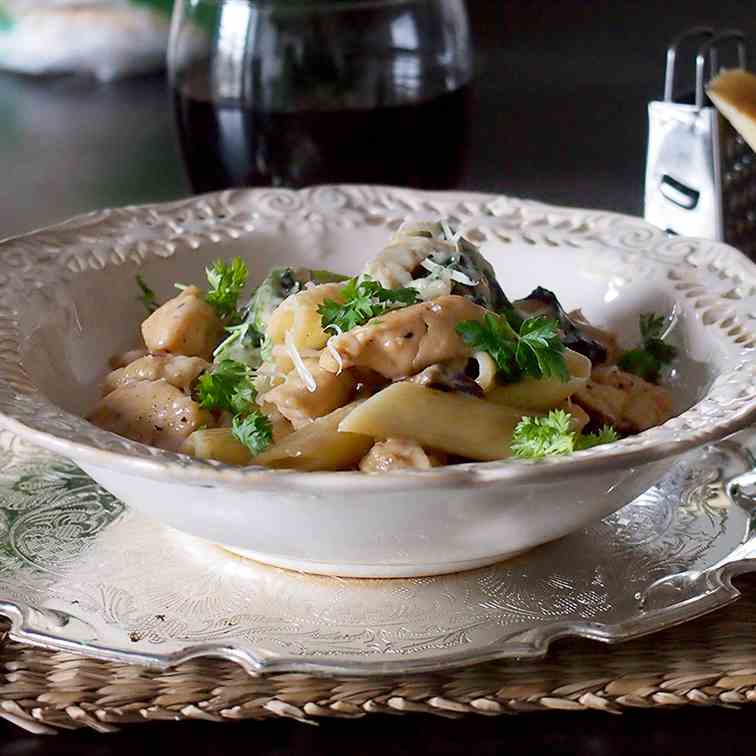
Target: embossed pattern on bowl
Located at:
point(68, 301)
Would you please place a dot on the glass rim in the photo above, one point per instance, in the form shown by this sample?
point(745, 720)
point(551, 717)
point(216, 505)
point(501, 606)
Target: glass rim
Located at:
point(314, 6)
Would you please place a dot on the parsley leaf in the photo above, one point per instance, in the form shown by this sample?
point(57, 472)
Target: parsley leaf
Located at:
point(228, 387)
point(226, 281)
point(147, 297)
point(647, 360)
point(254, 431)
point(537, 437)
point(512, 317)
point(540, 351)
point(607, 435)
point(495, 336)
point(363, 299)
point(641, 363)
point(266, 348)
point(651, 326)
point(536, 350)
point(243, 341)
point(661, 351)
point(243, 398)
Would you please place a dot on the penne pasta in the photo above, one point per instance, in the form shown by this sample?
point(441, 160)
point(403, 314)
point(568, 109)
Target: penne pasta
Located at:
point(453, 423)
point(298, 314)
point(318, 445)
point(216, 443)
point(486, 371)
point(465, 366)
point(544, 393)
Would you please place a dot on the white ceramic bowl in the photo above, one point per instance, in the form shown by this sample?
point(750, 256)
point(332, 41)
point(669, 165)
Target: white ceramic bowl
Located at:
point(68, 301)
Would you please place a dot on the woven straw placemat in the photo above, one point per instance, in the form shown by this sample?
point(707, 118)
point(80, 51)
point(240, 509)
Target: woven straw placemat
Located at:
point(707, 662)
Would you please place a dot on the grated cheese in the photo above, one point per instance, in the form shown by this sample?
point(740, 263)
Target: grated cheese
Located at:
point(446, 228)
point(299, 366)
point(454, 275)
point(332, 349)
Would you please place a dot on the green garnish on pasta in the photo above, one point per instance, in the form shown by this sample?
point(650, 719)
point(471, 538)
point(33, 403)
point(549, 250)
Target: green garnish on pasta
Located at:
point(648, 360)
point(534, 349)
point(607, 435)
point(147, 297)
point(364, 299)
point(418, 359)
point(228, 387)
point(537, 437)
point(243, 337)
point(225, 284)
point(254, 431)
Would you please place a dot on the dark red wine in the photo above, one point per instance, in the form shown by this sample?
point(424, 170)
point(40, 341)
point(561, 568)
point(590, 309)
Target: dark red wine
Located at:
point(419, 145)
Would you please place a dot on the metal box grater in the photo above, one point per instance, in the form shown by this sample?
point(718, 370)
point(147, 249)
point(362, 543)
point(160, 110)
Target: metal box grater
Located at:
point(700, 173)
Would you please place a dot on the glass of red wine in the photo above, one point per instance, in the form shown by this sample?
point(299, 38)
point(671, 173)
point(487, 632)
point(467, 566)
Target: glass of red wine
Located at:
point(296, 92)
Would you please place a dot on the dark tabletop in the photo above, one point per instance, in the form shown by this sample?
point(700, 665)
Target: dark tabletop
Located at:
point(670, 733)
point(560, 115)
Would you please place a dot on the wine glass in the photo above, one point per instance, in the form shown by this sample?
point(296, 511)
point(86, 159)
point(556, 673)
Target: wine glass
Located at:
point(294, 93)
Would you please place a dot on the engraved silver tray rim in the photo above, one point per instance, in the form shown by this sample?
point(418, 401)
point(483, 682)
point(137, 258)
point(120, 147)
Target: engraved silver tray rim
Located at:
point(47, 624)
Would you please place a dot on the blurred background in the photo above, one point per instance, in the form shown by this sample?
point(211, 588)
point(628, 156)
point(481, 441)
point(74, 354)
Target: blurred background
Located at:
point(558, 112)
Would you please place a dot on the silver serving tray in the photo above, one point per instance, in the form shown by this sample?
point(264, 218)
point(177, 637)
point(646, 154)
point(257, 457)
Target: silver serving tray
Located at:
point(81, 572)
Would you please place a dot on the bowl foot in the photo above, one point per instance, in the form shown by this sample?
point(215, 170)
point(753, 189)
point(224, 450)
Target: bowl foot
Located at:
point(387, 570)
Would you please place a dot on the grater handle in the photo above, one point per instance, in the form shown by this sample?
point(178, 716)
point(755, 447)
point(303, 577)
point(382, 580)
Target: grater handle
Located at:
point(696, 32)
point(711, 46)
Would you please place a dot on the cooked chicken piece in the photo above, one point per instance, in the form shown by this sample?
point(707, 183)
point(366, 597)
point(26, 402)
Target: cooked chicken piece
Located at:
point(580, 417)
point(603, 403)
point(368, 382)
point(404, 342)
point(421, 256)
point(624, 400)
point(299, 405)
point(126, 358)
point(394, 266)
point(178, 370)
point(153, 412)
point(280, 426)
point(398, 454)
point(185, 325)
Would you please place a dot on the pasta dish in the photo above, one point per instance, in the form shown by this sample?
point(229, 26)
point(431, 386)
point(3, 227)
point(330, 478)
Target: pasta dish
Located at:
point(420, 360)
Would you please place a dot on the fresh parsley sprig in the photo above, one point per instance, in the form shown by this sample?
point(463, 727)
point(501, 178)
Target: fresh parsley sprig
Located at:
point(606, 435)
point(540, 351)
point(652, 329)
point(228, 387)
point(648, 360)
point(495, 336)
point(363, 299)
point(225, 284)
point(254, 431)
point(532, 348)
point(537, 437)
point(243, 340)
point(147, 297)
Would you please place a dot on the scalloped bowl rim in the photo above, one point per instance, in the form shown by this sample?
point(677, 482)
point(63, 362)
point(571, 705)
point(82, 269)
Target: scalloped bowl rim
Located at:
point(173, 466)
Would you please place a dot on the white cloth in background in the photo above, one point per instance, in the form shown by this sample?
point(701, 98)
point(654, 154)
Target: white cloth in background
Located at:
point(106, 39)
